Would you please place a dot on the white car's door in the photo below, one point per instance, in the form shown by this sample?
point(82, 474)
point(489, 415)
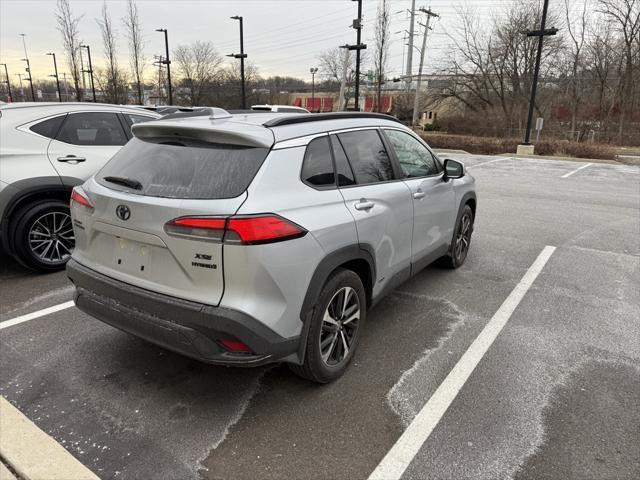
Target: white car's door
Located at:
point(85, 142)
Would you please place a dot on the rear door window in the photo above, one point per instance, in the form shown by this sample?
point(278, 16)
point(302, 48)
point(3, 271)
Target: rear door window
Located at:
point(368, 157)
point(183, 168)
point(343, 169)
point(49, 127)
point(92, 129)
point(317, 166)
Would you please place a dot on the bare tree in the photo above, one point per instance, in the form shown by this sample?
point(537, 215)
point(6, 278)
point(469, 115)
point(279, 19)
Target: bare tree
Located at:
point(492, 68)
point(68, 28)
point(115, 88)
point(198, 63)
point(331, 63)
point(625, 15)
point(383, 40)
point(136, 46)
point(577, 29)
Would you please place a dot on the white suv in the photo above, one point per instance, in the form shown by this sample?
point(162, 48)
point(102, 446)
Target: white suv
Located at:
point(249, 239)
point(46, 150)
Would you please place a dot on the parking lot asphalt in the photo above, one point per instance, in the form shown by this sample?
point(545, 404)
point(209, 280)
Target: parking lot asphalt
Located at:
point(555, 396)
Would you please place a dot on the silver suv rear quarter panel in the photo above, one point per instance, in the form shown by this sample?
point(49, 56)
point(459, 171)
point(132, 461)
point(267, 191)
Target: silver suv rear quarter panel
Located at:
point(270, 281)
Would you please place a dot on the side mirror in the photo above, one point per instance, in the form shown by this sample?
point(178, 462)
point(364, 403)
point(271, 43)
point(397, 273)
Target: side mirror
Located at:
point(453, 169)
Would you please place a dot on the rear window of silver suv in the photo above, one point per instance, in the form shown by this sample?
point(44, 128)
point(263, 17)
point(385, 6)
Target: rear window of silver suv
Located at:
point(182, 168)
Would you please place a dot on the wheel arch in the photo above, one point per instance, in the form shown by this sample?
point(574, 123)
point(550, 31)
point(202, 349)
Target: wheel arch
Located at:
point(358, 258)
point(27, 192)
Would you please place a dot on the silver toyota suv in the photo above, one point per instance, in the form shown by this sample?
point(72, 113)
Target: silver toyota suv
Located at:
point(255, 238)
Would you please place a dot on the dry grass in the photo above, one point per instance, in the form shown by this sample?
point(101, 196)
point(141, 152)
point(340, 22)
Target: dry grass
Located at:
point(496, 146)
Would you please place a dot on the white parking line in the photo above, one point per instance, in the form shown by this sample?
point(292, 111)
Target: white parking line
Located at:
point(576, 170)
point(490, 161)
point(408, 445)
point(34, 315)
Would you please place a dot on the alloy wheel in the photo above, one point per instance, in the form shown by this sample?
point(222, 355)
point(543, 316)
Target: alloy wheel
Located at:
point(51, 238)
point(463, 238)
point(339, 326)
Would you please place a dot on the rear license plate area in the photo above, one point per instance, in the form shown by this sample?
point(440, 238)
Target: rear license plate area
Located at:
point(132, 257)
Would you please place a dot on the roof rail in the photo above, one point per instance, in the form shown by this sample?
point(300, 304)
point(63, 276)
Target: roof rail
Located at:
point(318, 117)
point(214, 113)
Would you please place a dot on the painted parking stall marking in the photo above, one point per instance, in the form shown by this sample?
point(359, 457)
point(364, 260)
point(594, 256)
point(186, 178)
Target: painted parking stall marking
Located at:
point(488, 162)
point(567, 175)
point(38, 314)
point(408, 445)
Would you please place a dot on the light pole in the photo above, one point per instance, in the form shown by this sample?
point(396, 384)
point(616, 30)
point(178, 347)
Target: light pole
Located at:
point(26, 59)
point(313, 71)
point(241, 56)
point(6, 72)
point(55, 67)
point(167, 61)
point(90, 71)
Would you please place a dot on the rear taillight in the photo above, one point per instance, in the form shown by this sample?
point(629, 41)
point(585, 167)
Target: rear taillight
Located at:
point(253, 230)
point(79, 197)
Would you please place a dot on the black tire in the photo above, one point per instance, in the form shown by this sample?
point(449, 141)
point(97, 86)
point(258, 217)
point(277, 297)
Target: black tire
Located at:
point(27, 229)
point(316, 367)
point(461, 240)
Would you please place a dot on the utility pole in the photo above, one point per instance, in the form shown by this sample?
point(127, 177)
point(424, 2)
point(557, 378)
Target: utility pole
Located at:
point(55, 67)
point(6, 73)
point(84, 80)
point(343, 83)
point(534, 86)
point(241, 56)
point(66, 85)
point(90, 71)
point(26, 59)
point(159, 62)
point(21, 87)
point(416, 100)
point(167, 61)
point(412, 15)
point(313, 71)
point(357, 24)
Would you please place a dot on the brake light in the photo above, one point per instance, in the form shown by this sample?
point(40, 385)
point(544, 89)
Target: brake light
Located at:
point(263, 229)
point(80, 197)
point(253, 230)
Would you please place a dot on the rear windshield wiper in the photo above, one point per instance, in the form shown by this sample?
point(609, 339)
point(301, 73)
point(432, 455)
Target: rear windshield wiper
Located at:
point(127, 182)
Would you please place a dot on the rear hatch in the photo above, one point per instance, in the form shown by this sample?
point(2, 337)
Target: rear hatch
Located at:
point(150, 183)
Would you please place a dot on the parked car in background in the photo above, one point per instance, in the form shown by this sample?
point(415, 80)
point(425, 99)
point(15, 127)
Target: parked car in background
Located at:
point(47, 149)
point(279, 108)
point(250, 239)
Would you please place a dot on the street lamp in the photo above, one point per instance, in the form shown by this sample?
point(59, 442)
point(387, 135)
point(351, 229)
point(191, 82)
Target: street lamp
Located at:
point(313, 71)
point(241, 56)
point(167, 61)
point(55, 67)
point(6, 72)
point(28, 69)
point(90, 71)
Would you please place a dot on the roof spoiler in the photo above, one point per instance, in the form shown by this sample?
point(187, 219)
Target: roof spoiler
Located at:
point(228, 133)
point(214, 113)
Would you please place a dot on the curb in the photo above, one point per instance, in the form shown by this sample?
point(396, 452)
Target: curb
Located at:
point(33, 454)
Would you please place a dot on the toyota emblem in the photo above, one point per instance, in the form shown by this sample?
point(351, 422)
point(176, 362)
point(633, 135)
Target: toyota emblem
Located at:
point(123, 212)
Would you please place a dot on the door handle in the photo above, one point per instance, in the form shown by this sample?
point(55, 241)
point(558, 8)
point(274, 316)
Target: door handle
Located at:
point(364, 205)
point(419, 194)
point(72, 159)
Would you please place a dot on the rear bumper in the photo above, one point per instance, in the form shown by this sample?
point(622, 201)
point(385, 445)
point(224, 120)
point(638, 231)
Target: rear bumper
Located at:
point(190, 328)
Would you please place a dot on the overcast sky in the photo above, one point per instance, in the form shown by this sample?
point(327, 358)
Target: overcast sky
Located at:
point(282, 37)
